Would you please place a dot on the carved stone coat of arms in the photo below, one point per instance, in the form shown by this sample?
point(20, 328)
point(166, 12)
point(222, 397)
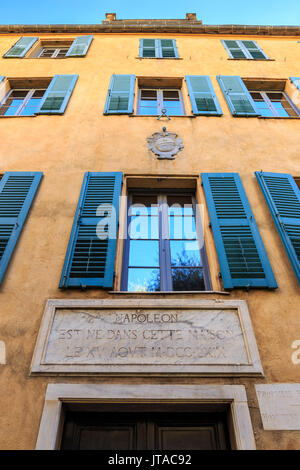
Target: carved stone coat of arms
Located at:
point(165, 144)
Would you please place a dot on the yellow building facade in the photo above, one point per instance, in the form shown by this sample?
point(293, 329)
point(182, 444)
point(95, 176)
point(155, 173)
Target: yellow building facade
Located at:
point(249, 380)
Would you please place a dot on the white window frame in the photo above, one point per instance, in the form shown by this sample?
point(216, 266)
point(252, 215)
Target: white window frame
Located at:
point(55, 53)
point(29, 95)
point(268, 102)
point(160, 105)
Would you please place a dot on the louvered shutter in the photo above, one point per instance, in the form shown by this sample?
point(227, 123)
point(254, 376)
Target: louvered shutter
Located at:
point(242, 256)
point(168, 48)
point(120, 95)
point(234, 49)
point(2, 77)
point(21, 47)
point(283, 198)
point(149, 48)
point(57, 95)
point(80, 46)
point(254, 51)
point(202, 95)
point(296, 81)
point(237, 96)
point(17, 190)
point(90, 259)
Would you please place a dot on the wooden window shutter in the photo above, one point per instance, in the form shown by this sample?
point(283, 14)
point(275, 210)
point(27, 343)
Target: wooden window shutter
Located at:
point(90, 255)
point(120, 95)
point(168, 48)
point(2, 77)
point(242, 256)
point(282, 196)
point(21, 47)
point(296, 81)
point(17, 190)
point(254, 51)
point(57, 95)
point(202, 95)
point(237, 96)
point(80, 46)
point(234, 49)
point(149, 48)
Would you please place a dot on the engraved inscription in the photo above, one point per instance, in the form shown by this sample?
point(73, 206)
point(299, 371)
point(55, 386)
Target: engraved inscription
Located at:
point(145, 336)
point(279, 406)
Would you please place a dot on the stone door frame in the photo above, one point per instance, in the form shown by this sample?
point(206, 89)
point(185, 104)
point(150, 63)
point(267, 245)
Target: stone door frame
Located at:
point(235, 395)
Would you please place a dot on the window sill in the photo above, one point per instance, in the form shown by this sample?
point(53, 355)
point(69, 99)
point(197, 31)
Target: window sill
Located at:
point(254, 60)
point(157, 116)
point(159, 58)
point(33, 115)
point(278, 117)
point(203, 292)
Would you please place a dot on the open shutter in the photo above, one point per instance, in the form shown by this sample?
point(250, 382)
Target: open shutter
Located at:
point(80, 46)
point(234, 49)
point(283, 198)
point(168, 48)
point(57, 95)
point(253, 49)
point(120, 95)
point(149, 48)
point(202, 95)
point(296, 81)
point(17, 190)
point(2, 77)
point(90, 255)
point(237, 96)
point(242, 256)
point(21, 47)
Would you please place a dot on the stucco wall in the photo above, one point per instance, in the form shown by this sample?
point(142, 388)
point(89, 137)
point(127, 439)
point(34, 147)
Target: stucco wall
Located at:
point(83, 139)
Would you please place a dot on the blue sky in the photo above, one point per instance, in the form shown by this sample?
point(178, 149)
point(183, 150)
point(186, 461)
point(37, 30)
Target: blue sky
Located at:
point(273, 12)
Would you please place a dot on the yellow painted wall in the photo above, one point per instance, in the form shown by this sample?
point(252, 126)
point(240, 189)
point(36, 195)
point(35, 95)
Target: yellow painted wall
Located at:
point(83, 139)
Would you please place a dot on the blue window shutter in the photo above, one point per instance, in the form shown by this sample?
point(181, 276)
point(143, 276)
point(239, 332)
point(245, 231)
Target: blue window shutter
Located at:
point(296, 81)
point(17, 190)
point(202, 95)
point(242, 256)
point(80, 46)
point(120, 95)
point(282, 196)
point(21, 47)
point(237, 96)
point(149, 48)
point(234, 49)
point(89, 259)
point(2, 77)
point(254, 51)
point(168, 48)
point(57, 95)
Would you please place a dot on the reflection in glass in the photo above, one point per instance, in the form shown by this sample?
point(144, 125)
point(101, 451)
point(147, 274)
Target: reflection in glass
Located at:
point(144, 253)
point(143, 227)
point(143, 280)
point(182, 227)
point(188, 279)
point(185, 253)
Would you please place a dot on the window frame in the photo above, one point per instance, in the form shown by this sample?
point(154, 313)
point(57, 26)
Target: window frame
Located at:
point(165, 266)
point(244, 49)
point(55, 53)
point(158, 48)
point(30, 93)
point(160, 105)
point(268, 101)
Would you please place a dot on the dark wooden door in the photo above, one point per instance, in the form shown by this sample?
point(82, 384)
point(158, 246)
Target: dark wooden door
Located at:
point(145, 431)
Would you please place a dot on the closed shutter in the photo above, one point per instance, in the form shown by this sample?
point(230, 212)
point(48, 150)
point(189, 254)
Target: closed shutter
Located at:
point(202, 95)
point(57, 95)
point(80, 46)
point(234, 49)
point(17, 190)
point(283, 198)
point(237, 96)
point(120, 95)
point(254, 51)
point(90, 255)
point(149, 48)
point(168, 48)
point(21, 47)
point(296, 81)
point(242, 256)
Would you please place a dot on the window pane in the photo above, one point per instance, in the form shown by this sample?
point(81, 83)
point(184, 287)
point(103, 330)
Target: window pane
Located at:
point(180, 205)
point(143, 227)
point(182, 227)
point(280, 109)
point(185, 279)
point(143, 280)
point(144, 253)
point(185, 253)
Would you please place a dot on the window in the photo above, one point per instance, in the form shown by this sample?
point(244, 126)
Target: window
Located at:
point(53, 52)
point(273, 103)
point(22, 102)
point(164, 250)
point(244, 50)
point(158, 48)
point(153, 101)
point(29, 97)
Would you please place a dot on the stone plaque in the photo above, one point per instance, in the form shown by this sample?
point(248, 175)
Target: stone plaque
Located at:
point(146, 337)
point(279, 406)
